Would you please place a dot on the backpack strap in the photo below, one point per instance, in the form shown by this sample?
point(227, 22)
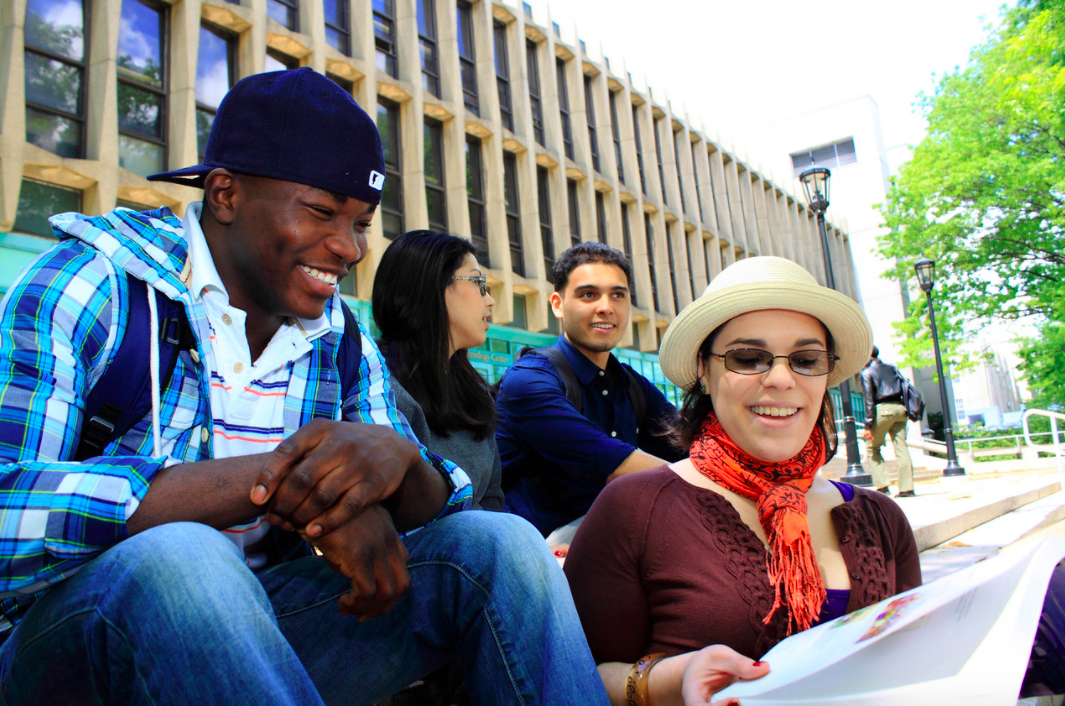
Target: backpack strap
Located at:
point(637, 397)
point(122, 396)
point(349, 351)
point(565, 371)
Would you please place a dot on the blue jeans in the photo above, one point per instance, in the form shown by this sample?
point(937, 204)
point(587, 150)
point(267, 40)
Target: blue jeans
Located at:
point(173, 616)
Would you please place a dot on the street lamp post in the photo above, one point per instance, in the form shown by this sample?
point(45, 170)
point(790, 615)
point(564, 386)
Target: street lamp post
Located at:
point(926, 277)
point(815, 186)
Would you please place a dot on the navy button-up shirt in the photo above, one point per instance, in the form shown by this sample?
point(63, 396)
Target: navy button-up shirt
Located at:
point(555, 459)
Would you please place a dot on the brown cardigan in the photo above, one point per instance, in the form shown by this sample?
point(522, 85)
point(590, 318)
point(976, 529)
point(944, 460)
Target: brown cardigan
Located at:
point(660, 565)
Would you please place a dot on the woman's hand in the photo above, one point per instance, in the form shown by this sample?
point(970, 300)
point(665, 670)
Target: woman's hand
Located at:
point(713, 668)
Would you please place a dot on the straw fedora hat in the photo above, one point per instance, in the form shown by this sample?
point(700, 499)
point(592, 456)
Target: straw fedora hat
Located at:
point(756, 284)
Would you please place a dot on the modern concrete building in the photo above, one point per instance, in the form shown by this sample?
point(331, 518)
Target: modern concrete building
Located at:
point(498, 125)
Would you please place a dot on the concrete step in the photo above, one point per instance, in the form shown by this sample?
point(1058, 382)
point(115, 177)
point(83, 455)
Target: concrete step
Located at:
point(1009, 520)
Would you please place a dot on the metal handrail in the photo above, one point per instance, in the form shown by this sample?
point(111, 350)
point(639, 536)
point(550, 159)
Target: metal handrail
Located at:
point(1058, 451)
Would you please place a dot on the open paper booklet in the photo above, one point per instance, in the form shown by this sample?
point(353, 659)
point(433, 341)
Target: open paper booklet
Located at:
point(966, 638)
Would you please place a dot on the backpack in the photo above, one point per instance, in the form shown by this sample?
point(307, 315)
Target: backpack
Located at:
point(911, 399)
point(122, 396)
point(637, 397)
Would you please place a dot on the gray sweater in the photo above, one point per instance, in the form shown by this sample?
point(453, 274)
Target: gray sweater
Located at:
point(480, 459)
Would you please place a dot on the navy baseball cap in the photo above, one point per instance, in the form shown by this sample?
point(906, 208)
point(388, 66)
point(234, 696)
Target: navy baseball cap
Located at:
point(295, 126)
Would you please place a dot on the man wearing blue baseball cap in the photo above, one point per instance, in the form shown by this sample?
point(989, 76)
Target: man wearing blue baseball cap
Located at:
point(165, 556)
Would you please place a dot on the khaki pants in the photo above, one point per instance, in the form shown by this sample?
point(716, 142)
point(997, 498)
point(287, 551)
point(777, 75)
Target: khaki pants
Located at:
point(890, 420)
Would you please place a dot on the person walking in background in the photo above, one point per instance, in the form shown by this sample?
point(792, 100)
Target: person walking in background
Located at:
point(885, 414)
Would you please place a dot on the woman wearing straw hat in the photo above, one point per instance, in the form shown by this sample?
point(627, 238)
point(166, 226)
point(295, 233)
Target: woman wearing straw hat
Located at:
point(741, 544)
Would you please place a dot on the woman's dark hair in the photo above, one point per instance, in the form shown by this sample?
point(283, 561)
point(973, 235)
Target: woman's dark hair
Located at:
point(410, 309)
point(696, 406)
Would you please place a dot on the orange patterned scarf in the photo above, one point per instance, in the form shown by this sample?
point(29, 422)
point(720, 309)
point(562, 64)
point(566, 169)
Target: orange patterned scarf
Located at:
point(779, 489)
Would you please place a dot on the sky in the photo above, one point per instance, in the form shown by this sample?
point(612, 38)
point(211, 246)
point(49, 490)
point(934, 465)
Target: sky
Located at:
point(768, 60)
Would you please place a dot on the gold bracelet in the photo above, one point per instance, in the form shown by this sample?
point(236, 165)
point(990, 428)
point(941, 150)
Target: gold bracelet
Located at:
point(636, 684)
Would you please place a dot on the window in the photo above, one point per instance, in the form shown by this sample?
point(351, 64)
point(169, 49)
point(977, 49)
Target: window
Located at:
point(276, 61)
point(589, 107)
point(543, 188)
point(574, 212)
point(521, 318)
point(216, 69)
point(435, 197)
point(658, 156)
point(285, 12)
point(563, 107)
point(535, 105)
point(506, 111)
point(38, 201)
point(676, 161)
point(616, 130)
point(392, 195)
point(600, 217)
point(337, 25)
point(834, 155)
point(639, 148)
point(527, 9)
point(142, 86)
point(475, 197)
point(467, 57)
point(384, 35)
point(650, 232)
point(513, 209)
point(54, 65)
point(626, 245)
point(672, 268)
point(427, 46)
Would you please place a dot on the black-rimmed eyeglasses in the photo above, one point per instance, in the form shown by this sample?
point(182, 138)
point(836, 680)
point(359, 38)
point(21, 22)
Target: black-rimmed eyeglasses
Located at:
point(753, 361)
point(480, 281)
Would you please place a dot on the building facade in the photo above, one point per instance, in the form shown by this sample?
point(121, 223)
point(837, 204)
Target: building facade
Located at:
point(497, 125)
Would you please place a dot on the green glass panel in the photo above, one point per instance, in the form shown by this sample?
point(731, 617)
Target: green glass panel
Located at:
point(56, 25)
point(53, 83)
point(38, 201)
point(139, 156)
point(61, 136)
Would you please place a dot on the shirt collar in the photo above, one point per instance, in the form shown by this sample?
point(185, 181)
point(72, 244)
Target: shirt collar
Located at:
point(583, 367)
point(205, 278)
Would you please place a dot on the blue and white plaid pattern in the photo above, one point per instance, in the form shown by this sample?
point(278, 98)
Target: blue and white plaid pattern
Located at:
point(59, 325)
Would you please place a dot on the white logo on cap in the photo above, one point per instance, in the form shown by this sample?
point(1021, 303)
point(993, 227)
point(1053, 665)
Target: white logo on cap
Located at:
point(377, 180)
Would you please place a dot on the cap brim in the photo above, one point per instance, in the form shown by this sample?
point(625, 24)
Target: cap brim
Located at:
point(189, 176)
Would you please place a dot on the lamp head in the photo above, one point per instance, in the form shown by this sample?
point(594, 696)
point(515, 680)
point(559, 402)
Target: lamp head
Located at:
point(926, 273)
point(815, 188)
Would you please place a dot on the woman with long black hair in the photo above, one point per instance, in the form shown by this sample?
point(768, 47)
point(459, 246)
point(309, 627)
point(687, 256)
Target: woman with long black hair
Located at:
point(431, 303)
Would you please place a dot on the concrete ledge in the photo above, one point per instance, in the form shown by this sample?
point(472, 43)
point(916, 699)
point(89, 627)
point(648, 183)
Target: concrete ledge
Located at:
point(940, 531)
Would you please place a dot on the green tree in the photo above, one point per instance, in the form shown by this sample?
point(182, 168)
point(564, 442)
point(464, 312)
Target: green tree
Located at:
point(984, 196)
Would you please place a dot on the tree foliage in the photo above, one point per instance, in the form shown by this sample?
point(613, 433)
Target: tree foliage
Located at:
point(984, 196)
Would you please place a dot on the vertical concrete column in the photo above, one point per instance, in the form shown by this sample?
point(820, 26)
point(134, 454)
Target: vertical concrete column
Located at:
point(669, 163)
point(458, 212)
point(184, 50)
point(12, 107)
point(312, 26)
point(252, 47)
point(712, 245)
point(408, 52)
point(732, 188)
point(722, 215)
point(777, 239)
point(704, 189)
point(688, 179)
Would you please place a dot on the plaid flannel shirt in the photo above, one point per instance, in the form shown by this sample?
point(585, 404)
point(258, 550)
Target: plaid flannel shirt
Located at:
point(59, 325)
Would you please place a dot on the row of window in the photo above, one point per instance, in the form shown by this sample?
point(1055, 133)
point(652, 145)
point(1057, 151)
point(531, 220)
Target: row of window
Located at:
point(57, 51)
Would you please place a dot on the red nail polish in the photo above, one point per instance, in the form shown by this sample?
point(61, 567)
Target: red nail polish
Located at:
point(756, 664)
point(559, 553)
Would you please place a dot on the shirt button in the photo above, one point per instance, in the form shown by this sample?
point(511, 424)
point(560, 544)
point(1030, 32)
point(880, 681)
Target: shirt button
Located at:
point(204, 435)
point(606, 392)
point(613, 433)
point(195, 355)
point(855, 576)
point(601, 373)
point(239, 367)
point(844, 540)
point(227, 319)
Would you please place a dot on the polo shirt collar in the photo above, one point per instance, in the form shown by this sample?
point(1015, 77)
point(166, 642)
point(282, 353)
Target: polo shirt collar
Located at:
point(585, 369)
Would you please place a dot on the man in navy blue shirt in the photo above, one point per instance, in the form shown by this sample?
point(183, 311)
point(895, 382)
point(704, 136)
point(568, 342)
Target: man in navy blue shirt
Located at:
point(556, 459)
